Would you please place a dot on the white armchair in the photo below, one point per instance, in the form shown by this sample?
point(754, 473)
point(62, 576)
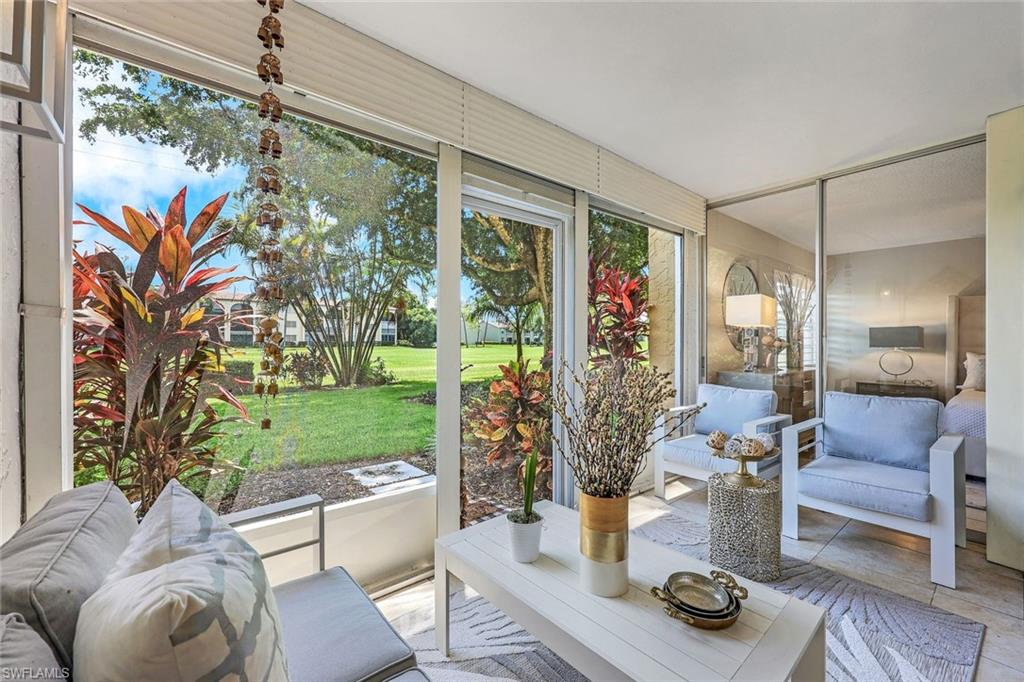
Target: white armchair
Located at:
point(882, 461)
point(732, 410)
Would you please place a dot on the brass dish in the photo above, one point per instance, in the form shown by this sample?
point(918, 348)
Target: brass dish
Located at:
point(707, 603)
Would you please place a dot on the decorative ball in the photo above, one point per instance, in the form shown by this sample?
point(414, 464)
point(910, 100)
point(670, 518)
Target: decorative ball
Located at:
point(734, 445)
point(717, 439)
point(767, 440)
point(752, 448)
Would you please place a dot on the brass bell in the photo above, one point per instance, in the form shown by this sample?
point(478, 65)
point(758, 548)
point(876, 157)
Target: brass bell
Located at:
point(270, 143)
point(259, 337)
point(269, 33)
point(269, 69)
point(270, 107)
point(269, 217)
point(257, 388)
point(275, 6)
point(269, 181)
point(276, 337)
point(265, 423)
point(272, 389)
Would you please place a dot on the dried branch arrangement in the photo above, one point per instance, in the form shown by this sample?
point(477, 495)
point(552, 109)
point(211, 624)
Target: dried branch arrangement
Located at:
point(608, 413)
point(795, 294)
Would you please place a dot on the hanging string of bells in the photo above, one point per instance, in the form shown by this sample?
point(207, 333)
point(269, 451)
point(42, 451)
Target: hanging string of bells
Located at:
point(268, 217)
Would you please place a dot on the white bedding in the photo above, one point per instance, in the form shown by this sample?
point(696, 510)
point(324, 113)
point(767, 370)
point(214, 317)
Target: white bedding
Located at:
point(965, 413)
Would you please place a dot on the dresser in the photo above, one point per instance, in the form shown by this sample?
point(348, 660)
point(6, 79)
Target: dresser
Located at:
point(897, 389)
point(795, 388)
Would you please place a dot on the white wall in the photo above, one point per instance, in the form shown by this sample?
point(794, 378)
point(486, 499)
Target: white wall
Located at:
point(10, 329)
point(377, 539)
point(905, 286)
point(1005, 321)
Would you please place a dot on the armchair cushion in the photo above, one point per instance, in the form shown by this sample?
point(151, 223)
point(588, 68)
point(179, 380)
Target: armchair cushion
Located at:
point(334, 633)
point(693, 451)
point(729, 408)
point(892, 490)
point(893, 431)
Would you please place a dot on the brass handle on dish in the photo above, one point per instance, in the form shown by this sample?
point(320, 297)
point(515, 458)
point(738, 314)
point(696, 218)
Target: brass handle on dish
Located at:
point(672, 613)
point(659, 593)
point(729, 583)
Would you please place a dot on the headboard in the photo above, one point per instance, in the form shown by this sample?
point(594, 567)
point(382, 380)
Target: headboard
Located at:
point(965, 332)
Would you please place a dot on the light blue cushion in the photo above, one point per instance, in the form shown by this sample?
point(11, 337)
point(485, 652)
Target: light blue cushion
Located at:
point(892, 490)
point(893, 431)
point(728, 409)
point(693, 451)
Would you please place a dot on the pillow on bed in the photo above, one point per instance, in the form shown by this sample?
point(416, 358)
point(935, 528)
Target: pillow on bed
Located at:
point(975, 366)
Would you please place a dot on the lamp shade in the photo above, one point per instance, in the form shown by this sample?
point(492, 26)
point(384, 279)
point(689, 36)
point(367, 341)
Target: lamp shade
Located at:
point(896, 337)
point(750, 310)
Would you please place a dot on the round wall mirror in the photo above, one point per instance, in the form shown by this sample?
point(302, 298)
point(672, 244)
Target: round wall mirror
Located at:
point(740, 280)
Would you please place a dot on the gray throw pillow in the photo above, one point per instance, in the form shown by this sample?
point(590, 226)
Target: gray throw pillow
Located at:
point(188, 600)
point(60, 557)
point(24, 655)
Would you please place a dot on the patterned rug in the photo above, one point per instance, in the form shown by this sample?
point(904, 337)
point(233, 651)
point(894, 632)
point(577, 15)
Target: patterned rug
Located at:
point(873, 634)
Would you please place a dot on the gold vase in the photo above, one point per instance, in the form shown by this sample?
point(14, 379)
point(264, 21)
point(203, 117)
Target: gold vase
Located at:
point(604, 545)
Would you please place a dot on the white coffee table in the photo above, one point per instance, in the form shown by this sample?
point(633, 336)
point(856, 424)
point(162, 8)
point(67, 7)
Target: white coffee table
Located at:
point(627, 638)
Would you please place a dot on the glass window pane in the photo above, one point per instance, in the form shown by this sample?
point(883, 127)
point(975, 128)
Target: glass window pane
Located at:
point(355, 412)
point(764, 247)
point(508, 309)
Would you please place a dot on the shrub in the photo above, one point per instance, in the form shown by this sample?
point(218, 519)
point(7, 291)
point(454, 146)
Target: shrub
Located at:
point(308, 369)
point(405, 343)
point(376, 374)
point(515, 419)
point(242, 370)
point(421, 333)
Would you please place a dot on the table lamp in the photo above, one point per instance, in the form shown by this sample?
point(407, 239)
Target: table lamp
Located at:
point(896, 361)
point(749, 312)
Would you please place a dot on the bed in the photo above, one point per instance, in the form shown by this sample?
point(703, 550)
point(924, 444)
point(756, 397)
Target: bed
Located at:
point(965, 408)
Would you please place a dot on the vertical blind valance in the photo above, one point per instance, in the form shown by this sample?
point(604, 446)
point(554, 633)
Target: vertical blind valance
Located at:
point(338, 64)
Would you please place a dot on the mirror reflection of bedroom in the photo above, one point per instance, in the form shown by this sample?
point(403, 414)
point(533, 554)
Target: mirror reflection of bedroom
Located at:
point(904, 311)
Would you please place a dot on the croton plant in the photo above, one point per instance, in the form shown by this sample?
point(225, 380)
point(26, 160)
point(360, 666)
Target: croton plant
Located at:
point(145, 346)
point(515, 419)
point(618, 319)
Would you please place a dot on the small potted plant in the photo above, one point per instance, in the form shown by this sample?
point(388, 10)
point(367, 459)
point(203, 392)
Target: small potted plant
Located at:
point(524, 525)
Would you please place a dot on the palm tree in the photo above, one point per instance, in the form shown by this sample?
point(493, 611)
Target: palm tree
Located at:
point(519, 317)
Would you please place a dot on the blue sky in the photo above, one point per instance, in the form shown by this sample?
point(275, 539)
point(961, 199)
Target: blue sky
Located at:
point(115, 171)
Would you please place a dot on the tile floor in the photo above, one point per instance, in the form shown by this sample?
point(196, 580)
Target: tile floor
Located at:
point(988, 593)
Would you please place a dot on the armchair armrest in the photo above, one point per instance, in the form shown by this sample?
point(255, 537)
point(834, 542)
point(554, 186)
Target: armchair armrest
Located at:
point(295, 505)
point(948, 486)
point(753, 427)
point(805, 425)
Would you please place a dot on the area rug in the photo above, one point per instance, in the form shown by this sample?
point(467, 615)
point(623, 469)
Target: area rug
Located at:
point(874, 635)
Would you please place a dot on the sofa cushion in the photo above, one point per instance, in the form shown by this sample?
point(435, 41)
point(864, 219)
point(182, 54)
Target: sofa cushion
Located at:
point(333, 631)
point(893, 490)
point(60, 557)
point(188, 600)
point(22, 649)
point(893, 431)
point(728, 409)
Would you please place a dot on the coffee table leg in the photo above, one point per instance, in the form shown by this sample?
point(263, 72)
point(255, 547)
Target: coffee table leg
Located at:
point(811, 667)
point(442, 594)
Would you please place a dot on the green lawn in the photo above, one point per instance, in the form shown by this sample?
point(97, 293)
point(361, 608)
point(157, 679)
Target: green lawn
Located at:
point(329, 425)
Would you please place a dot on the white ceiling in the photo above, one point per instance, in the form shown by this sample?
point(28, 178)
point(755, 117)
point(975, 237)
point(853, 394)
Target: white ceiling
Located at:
point(935, 198)
point(723, 97)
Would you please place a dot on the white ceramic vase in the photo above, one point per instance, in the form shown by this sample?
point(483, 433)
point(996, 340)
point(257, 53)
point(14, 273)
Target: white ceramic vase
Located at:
point(525, 540)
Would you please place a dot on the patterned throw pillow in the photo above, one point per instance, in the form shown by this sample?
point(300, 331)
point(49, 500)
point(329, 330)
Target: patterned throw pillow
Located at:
point(187, 600)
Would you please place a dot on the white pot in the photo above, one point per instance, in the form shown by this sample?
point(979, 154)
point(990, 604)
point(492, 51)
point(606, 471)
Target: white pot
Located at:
point(525, 540)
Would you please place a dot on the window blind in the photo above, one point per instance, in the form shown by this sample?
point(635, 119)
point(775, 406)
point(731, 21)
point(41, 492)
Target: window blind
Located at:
point(338, 64)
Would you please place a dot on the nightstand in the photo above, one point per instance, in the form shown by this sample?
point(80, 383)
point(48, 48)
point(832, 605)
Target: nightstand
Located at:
point(897, 389)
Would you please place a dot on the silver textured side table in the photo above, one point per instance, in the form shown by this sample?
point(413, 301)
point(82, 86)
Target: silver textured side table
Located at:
point(744, 526)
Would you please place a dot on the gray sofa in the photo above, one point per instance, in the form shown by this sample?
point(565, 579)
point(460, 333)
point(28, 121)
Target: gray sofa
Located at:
point(332, 630)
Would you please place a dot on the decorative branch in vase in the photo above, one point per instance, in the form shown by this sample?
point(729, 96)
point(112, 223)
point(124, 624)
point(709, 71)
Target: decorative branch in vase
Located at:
point(609, 413)
point(796, 297)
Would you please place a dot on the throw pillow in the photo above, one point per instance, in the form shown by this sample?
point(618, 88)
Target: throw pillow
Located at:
point(188, 600)
point(975, 365)
point(24, 655)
